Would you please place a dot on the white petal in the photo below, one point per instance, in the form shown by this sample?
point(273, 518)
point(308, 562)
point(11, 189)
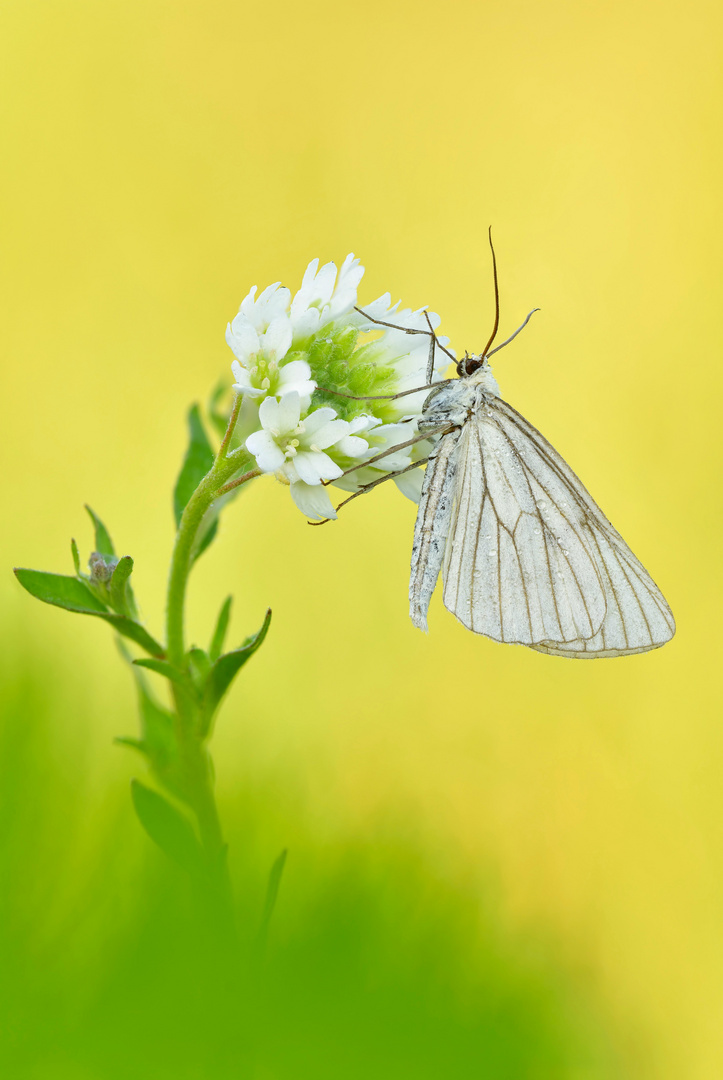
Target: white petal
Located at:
point(350, 274)
point(324, 282)
point(288, 471)
point(391, 434)
point(248, 304)
point(298, 371)
point(269, 456)
point(277, 303)
point(305, 322)
point(267, 295)
point(240, 373)
point(381, 308)
point(303, 387)
point(314, 467)
point(344, 297)
point(364, 423)
point(289, 411)
point(277, 339)
point(352, 446)
point(269, 414)
point(342, 304)
point(316, 420)
point(313, 501)
point(310, 273)
point(243, 382)
point(241, 338)
point(260, 311)
point(328, 434)
point(410, 484)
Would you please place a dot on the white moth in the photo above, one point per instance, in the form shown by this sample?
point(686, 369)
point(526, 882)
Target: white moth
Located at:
point(526, 555)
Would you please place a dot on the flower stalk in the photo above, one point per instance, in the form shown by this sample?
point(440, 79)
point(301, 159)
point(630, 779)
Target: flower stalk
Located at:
point(194, 761)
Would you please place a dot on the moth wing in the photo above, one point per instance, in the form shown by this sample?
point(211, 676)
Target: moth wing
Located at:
point(531, 558)
point(431, 526)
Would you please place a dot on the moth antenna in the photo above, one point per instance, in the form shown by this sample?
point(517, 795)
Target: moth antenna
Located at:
point(513, 336)
point(497, 297)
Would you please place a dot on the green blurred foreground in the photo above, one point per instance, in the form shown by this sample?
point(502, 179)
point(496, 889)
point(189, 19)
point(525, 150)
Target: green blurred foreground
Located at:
point(377, 967)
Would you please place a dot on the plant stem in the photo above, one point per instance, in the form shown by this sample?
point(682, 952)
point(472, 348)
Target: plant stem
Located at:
point(191, 519)
point(195, 762)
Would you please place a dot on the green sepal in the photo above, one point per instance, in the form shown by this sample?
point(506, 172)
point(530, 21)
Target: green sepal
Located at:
point(121, 593)
point(223, 672)
point(76, 557)
point(103, 542)
point(167, 827)
point(74, 595)
point(219, 634)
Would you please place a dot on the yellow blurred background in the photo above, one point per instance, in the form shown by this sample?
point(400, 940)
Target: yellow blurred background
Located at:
point(161, 158)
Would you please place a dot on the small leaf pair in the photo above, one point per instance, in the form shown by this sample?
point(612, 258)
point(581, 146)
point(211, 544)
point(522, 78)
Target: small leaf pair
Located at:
point(107, 594)
point(209, 676)
point(74, 595)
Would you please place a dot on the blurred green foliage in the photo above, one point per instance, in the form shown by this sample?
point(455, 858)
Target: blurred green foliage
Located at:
point(376, 966)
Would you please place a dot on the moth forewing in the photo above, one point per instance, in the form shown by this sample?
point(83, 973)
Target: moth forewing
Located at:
point(432, 525)
point(506, 575)
point(529, 558)
point(636, 615)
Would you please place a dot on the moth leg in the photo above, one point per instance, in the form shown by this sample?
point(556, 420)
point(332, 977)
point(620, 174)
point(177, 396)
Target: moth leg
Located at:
point(387, 397)
point(391, 325)
point(392, 450)
point(434, 340)
point(375, 483)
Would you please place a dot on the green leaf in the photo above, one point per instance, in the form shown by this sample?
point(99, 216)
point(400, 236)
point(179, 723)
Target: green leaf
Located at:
point(224, 671)
point(134, 744)
point(103, 542)
point(272, 893)
point(197, 462)
point(131, 629)
point(167, 827)
point(62, 591)
point(199, 664)
point(162, 667)
point(121, 596)
point(217, 418)
point(206, 533)
point(219, 634)
point(74, 595)
point(158, 737)
point(76, 557)
point(272, 890)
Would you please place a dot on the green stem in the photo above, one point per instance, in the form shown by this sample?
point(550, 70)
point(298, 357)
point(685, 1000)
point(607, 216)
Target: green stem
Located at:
point(191, 519)
point(195, 761)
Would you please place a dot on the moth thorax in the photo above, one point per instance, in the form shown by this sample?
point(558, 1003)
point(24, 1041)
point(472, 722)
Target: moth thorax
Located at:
point(484, 379)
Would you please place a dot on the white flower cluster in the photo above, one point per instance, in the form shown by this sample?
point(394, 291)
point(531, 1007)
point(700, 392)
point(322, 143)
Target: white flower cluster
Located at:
point(303, 362)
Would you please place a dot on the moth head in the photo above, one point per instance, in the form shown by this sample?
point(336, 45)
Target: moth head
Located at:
point(469, 364)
